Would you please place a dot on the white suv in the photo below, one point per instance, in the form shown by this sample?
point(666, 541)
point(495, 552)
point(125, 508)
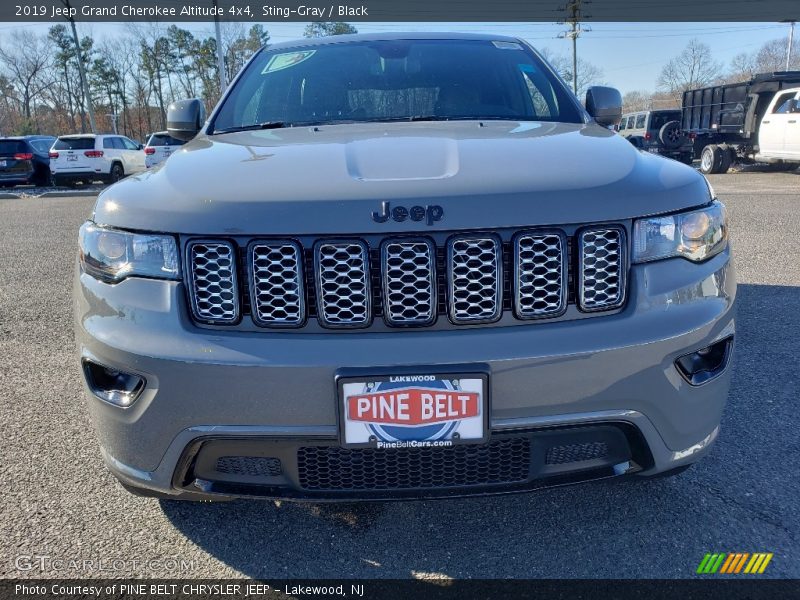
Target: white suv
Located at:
point(159, 148)
point(89, 157)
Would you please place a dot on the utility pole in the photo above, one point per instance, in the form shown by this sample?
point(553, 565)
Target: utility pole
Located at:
point(81, 70)
point(223, 79)
point(573, 10)
point(114, 119)
point(789, 49)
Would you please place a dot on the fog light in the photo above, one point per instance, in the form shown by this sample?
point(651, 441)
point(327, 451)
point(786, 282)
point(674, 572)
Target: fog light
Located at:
point(705, 364)
point(111, 385)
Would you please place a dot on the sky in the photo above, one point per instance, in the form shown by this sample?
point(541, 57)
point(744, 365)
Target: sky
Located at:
point(630, 55)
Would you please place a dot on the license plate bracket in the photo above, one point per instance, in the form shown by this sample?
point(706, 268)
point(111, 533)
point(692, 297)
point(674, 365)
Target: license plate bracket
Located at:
point(419, 410)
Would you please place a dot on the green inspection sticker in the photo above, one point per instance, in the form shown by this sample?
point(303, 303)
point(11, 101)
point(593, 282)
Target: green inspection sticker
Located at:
point(286, 60)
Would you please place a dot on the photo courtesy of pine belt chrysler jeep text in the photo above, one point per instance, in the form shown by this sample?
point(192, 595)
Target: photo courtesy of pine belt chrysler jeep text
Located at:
point(403, 266)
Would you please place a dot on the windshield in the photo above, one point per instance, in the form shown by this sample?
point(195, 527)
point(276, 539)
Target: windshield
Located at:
point(395, 80)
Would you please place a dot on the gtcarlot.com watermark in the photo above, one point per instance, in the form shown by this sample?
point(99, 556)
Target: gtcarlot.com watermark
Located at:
point(53, 564)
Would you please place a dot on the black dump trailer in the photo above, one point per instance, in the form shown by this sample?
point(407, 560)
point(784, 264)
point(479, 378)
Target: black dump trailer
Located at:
point(724, 119)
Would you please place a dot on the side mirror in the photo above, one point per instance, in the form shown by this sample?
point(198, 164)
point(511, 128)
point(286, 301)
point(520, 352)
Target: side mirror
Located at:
point(140, 146)
point(794, 106)
point(185, 118)
point(604, 104)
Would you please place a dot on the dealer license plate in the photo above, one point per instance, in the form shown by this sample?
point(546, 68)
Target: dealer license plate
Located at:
point(414, 411)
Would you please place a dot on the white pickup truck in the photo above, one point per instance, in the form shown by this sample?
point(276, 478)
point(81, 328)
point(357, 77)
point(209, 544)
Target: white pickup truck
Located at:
point(779, 132)
point(757, 121)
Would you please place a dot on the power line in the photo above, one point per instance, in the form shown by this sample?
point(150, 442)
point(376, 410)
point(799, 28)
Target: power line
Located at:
point(573, 10)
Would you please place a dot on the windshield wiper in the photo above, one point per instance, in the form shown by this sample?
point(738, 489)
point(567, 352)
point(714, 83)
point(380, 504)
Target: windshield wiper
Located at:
point(254, 127)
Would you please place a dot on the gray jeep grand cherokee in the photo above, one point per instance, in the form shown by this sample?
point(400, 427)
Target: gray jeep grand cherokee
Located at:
point(403, 266)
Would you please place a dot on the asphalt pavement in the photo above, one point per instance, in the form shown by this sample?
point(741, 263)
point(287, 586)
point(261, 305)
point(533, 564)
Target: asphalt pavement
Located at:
point(59, 501)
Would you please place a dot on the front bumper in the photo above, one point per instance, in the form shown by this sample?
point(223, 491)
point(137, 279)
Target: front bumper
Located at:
point(278, 387)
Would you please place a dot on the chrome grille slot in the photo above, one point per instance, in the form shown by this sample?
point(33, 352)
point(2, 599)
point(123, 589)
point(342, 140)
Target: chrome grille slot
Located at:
point(276, 286)
point(213, 289)
point(343, 287)
point(409, 282)
point(601, 269)
point(540, 281)
point(475, 279)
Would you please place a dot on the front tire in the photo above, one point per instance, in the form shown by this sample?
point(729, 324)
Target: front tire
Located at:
point(726, 159)
point(711, 159)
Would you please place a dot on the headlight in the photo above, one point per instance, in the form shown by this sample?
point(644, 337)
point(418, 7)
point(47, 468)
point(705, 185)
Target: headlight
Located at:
point(112, 255)
point(696, 235)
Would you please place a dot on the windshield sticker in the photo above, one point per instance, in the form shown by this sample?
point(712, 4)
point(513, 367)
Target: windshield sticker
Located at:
point(508, 45)
point(286, 60)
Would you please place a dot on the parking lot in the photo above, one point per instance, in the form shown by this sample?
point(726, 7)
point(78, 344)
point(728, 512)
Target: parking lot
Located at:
point(60, 502)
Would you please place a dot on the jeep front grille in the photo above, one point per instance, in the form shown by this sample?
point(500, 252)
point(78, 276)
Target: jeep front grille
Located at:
point(501, 461)
point(412, 281)
point(343, 291)
point(541, 275)
point(409, 282)
point(276, 284)
point(475, 291)
point(213, 291)
point(601, 270)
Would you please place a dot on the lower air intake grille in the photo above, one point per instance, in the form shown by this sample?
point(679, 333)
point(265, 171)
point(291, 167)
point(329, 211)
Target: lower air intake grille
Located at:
point(559, 455)
point(502, 461)
point(252, 466)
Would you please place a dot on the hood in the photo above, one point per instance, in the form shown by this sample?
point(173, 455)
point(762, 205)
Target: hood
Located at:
point(330, 179)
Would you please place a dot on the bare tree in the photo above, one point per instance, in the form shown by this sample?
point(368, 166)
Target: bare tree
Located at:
point(772, 57)
point(133, 75)
point(661, 100)
point(743, 67)
point(588, 74)
point(26, 68)
point(323, 29)
point(692, 68)
point(636, 100)
point(8, 99)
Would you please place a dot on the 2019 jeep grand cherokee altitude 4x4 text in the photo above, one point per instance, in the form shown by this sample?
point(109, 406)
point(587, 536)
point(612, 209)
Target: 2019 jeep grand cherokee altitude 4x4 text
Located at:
point(403, 266)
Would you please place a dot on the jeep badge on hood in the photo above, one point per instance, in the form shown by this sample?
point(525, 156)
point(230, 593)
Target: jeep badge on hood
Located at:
point(431, 213)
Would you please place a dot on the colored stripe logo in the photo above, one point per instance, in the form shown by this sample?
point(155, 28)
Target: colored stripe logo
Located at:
point(734, 562)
